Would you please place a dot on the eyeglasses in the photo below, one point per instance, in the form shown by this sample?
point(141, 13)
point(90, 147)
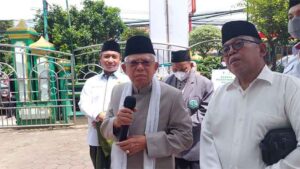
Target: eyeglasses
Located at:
point(144, 63)
point(237, 45)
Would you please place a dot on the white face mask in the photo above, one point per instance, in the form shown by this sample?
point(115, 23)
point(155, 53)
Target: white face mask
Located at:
point(294, 27)
point(223, 64)
point(181, 75)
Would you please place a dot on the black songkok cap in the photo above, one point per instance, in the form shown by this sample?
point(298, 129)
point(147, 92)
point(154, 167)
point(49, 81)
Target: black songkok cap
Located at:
point(111, 45)
point(293, 3)
point(234, 29)
point(180, 56)
point(138, 44)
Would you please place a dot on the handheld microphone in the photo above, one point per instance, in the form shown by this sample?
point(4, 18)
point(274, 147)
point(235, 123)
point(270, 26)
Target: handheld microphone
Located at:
point(129, 103)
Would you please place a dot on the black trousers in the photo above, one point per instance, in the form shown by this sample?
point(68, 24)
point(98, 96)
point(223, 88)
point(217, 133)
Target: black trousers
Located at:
point(98, 158)
point(181, 163)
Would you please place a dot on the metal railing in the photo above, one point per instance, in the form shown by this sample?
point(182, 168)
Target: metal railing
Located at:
point(37, 87)
point(44, 89)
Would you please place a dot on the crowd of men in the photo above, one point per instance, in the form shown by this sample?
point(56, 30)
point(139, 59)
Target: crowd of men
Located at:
point(139, 122)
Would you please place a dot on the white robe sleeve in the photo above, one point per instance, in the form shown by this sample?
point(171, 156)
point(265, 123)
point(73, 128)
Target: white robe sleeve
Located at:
point(209, 157)
point(85, 103)
point(292, 97)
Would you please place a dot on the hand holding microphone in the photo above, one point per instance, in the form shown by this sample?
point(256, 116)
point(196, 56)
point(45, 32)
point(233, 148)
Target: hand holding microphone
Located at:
point(125, 117)
point(133, 144)
point(129, 103)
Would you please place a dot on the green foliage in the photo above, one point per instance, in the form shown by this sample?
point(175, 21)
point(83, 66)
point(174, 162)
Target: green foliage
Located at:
point(270, 17)
point(205, 38)
point(93, 24)
point(4, 25)
point(4, 40)
point(207, 64)
point(131, 31)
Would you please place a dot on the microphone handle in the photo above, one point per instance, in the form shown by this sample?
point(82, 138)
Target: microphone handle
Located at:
point(123, 132)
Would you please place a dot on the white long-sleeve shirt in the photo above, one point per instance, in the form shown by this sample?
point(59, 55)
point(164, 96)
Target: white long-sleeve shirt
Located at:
point(293, 67)
point(95, 97)
point(237, 120)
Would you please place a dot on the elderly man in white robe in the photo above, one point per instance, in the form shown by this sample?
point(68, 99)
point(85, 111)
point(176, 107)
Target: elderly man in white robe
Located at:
point(159, 125)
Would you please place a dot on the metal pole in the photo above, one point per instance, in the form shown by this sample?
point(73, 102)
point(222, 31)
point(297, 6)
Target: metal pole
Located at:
point(247, 11)
point(45, 13)
point(167, 22)
point(69, 22)
point(69, 19)
point(72, 66)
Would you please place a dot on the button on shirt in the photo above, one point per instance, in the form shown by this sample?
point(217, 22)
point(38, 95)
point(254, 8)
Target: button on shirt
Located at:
point(95, 97)
point(237, 120)
point(293, 67)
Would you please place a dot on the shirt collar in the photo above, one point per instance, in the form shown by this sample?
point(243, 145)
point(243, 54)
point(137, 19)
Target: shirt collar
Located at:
point(265, 75)
point(143, 90)
point(296, 49)
point(116, 75)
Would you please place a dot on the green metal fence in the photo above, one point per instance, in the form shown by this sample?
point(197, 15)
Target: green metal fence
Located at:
point(37, 88)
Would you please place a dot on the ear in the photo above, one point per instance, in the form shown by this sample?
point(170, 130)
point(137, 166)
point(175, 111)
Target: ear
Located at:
point(191, 64)
point(156, 66)
point(173, 68)
point(263, 49)
point(123, 66)
point(99, 59)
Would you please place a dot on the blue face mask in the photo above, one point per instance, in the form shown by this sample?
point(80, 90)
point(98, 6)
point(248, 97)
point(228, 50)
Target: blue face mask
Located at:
point(294, 27)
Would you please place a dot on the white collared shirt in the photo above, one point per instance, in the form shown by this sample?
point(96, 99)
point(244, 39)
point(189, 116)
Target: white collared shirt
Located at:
point(237, 120)
point(95, 97)
point(293, 67)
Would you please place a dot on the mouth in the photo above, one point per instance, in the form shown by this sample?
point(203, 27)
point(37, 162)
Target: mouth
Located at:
point(139, 76)
point(233, 60)
point(110, 66)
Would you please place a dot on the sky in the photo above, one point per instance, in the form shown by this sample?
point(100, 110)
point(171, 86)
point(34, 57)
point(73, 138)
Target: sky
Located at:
point(130, 9)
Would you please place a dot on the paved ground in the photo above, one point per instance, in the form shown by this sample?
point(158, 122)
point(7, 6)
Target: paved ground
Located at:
point(59, 148)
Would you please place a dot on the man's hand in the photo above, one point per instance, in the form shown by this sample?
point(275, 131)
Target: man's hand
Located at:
point(124, 117)
point(133, 144)
point(100, 117)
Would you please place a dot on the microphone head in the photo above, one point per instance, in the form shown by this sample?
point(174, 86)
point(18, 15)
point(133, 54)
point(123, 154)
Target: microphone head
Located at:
point(130, 102)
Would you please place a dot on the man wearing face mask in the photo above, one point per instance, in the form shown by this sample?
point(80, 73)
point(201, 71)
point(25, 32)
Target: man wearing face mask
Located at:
point(196, 90)
point(293, 67)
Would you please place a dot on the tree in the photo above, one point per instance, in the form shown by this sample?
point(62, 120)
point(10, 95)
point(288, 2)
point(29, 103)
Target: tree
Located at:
point(207, 64)
point(270, 17)
point(205, 38)
point(93, 24)
point(131, 31)
point(4, 25)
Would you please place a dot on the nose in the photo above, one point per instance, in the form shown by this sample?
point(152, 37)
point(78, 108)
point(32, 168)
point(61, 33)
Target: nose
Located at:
point(231, 51)
point(110, 59)
point(140, 66)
